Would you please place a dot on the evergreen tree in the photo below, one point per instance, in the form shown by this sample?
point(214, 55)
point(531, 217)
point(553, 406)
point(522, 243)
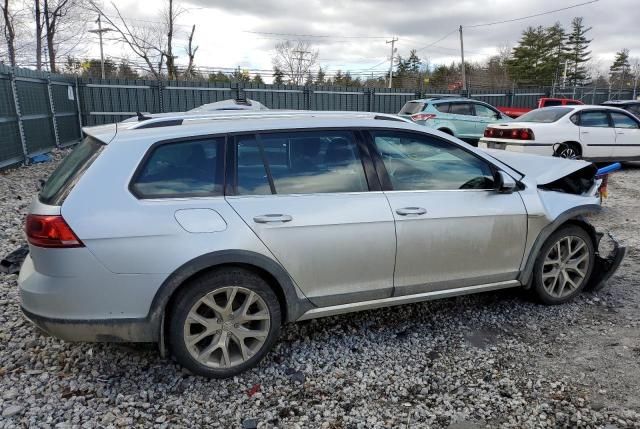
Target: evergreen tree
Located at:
point(219, 77)
point(309, 79)
point(338, 79)
point(529, 60)
point(578, 52)
point(239, 75)
point(556, 38)
point(257, 79)
point(278, 76)
point(620, 70)
point(320, 77)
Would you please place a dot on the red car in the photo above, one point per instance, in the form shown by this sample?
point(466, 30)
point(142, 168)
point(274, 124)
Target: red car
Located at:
point(514, 112)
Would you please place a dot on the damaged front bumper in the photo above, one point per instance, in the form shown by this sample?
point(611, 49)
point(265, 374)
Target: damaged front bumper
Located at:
point(605, 266)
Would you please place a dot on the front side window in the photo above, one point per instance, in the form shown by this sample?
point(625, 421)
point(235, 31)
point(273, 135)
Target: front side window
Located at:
point(442, 107)
point(420, 162)
point(300, 163)
point(461, 109)
point(182, 169)
point(484, 112)
point(620, 120)
point(595, 118)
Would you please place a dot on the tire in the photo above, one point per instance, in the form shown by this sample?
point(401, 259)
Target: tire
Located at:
point(570, 151)
point(570, 276)
point(225, 337)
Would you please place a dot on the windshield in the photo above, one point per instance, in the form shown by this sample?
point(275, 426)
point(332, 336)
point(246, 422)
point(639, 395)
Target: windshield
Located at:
point(545, 115)
point(69, 171)
point(411, 107)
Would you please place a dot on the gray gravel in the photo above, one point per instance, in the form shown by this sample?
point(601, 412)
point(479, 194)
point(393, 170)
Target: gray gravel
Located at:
point(490, 360)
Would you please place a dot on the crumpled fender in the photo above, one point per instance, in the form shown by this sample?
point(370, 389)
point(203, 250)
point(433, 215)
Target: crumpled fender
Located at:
point(605, 266)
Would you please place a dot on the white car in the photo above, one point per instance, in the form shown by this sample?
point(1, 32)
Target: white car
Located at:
point(596, 133)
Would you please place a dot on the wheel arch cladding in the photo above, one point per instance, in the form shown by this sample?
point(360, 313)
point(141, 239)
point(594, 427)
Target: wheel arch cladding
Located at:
point(573, 216)
point(292, 306)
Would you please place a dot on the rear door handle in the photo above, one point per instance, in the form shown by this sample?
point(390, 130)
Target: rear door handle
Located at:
point(272, 218)
point(409, 211)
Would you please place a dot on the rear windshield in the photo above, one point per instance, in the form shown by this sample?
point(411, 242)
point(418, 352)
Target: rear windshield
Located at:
point(69, 171)
point(545, 115)
point(411, 107)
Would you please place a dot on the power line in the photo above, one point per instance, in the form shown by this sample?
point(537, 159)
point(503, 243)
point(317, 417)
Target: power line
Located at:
point(324, 36)
point(531, 16)
point(437, 41)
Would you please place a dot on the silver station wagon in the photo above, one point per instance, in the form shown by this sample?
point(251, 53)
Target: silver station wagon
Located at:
point(205, 233)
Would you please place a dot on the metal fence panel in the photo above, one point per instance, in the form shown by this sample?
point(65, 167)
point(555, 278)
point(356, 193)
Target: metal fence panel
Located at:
point(288, 97)
point(10, 145)
point(178, 96)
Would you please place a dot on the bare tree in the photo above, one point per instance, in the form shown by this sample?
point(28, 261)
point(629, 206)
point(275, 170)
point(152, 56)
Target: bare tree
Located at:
point(295, 59)
point(9, 31)
point(64, 26)
point(191, 52)
point(154, 45)
point(39, 27)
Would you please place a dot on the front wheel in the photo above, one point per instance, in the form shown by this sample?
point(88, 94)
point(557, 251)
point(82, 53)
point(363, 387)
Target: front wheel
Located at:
point(564, 265)
point(224, 323)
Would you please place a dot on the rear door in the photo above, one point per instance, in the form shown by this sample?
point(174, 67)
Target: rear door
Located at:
point(596, 134)
point(627, 130)
point(462, 115)
point(453, 230)
point(309, 198)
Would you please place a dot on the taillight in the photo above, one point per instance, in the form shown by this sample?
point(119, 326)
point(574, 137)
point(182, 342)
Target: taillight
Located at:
point(510, 133)
point(422, 116)
point(50, 231)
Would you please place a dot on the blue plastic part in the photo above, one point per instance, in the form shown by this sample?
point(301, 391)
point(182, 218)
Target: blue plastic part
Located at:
point(45, 157)
point(608, 169)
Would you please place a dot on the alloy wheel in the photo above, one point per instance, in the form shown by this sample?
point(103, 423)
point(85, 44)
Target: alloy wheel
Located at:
point(565, 266)
point(227, 327)
point(569, 153)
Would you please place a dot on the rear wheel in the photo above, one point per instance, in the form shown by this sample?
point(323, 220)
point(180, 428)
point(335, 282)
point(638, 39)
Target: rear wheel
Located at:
point(570, 151)
point(224, 323)
point(564, 265)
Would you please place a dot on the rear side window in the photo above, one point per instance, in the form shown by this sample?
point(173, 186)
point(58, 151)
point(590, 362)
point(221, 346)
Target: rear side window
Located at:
point(596, 119)
point(412, 107)
point(300, 163)
point(572, 103)
point(442, 107)
point(69, 171)
point(182, 169)
point(461, 109)
point(634, 108)
point(551, 103)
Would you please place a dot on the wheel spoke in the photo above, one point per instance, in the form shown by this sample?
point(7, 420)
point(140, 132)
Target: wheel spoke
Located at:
point(211, 303)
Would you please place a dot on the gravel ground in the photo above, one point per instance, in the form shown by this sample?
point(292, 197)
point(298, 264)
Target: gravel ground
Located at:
point(490, 360)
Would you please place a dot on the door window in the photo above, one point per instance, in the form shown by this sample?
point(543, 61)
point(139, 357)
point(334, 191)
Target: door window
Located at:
point(594, 119)
point(620, 120)
point(485, 112)
point(300, 163)
point(442, 107)
point(461, 109)
point(421, 162)
point(181, 169)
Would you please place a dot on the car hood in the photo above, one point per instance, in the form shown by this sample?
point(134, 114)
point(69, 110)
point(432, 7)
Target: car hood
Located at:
point(543, 169)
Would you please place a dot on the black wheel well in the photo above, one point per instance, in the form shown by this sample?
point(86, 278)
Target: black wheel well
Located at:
point(446, 130)
point(260, 272)
point(575, 145)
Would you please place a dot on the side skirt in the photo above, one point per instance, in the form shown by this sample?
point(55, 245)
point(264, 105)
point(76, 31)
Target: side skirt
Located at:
point(405, 299)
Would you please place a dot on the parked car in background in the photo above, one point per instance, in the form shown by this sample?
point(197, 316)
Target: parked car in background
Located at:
point(632, 106)
point(515, 112)
point(460, 117)
point(597, 133)
point(208, 235)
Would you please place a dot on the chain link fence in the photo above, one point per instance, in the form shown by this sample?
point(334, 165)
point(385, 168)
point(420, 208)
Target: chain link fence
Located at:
point(40, 111)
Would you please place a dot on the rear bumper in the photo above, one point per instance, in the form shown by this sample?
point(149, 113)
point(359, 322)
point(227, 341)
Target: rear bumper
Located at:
point(107, 330)
point(521, 147)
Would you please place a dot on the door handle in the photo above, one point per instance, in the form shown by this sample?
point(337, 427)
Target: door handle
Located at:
point(272, 218)
point(408, 211)
point(584, 132)
point(619, 132)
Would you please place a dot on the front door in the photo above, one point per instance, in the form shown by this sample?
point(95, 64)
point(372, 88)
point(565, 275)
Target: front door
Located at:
point(627, 130)
point(461, 114)
point(596, 134)
point(453, 230)
point(313, 208)
point(485, 116)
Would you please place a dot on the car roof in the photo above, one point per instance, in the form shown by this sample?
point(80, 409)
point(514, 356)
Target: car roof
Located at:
point(187, 124)
point(622, 102)
point(442, 99)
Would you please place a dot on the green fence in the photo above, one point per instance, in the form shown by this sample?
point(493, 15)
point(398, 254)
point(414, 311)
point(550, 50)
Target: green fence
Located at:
point(40, 111)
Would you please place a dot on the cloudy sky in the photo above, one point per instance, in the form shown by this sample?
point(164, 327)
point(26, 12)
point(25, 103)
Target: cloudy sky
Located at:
point(351, 34)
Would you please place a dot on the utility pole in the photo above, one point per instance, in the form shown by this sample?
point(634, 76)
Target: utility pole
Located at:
point(300, 58)
point(636, 70)
point(462, 67)
point(393, 52)
point(101, 30)
point(564, 75)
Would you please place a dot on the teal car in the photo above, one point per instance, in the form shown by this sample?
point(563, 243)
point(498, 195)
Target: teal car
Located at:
point(461, 117)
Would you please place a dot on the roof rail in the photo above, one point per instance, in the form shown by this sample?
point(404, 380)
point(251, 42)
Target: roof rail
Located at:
point(180, 118)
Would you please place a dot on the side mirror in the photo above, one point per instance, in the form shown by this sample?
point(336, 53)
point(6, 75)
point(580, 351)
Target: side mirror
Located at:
point(497, 116)
point(504, 183)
